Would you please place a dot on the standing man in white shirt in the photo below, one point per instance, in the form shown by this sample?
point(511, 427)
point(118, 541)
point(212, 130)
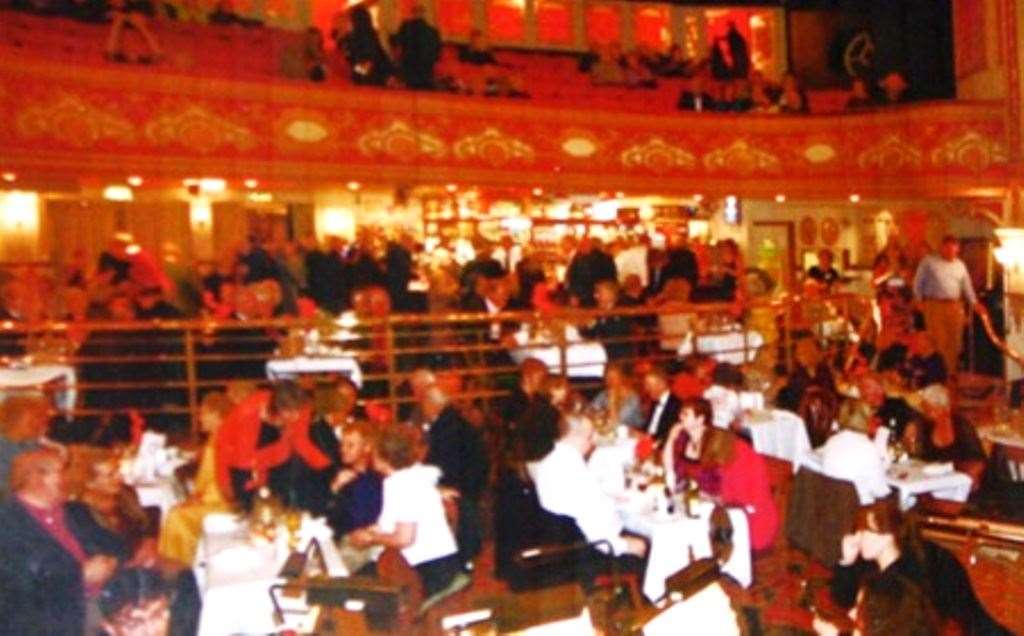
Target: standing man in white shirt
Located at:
point(941, 285)
point(665, 410)
point(566, 487)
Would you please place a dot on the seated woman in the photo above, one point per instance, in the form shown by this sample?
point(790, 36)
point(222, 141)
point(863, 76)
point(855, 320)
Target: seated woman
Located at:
point(884, 545)
point(943, 436)
point(114, 505)
point(812, 370)
point(183, 526)
point(887, 606)
point(619, 401)
point(851, 456)
point(724, 466)
point(412, 517)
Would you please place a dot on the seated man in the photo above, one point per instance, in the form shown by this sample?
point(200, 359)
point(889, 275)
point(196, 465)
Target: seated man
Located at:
point(824, 272)
point(851, 456)
point(892, 411)
point(54, 557)
point(566, 487)
point(612, 331)
point(357, 489)
point(925, 366)
point(664, 405)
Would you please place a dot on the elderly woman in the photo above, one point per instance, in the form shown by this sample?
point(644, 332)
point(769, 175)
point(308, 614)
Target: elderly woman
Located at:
point(54, 557)
point(943, 436)
point(724, 466)
point(412, 517)
point(619, 401)
point(851, 456)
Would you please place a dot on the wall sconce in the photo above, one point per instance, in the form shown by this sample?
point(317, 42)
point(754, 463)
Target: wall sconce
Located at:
point(200, 214)
point(19, 220)
point(1010, 253)
point(121, 193)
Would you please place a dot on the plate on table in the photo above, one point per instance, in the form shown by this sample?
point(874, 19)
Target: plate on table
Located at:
point(935, 470)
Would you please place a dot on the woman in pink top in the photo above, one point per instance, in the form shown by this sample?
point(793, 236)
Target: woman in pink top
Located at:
point(724, 467)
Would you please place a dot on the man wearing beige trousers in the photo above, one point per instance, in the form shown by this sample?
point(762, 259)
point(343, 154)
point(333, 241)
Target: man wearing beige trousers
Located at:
point(941, 285)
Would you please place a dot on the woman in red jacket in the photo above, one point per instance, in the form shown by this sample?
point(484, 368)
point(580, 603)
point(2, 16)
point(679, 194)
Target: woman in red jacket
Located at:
point(259, 438)
point(724, 467)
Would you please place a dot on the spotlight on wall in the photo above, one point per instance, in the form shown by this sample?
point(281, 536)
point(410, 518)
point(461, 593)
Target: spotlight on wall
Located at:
point(451, 188)
point(698, 197)
point(354, 186)
point(10, 177)
point(538, 192)
point(252, 184)
point(780, 198)
point(854, 198)
point(134, 180)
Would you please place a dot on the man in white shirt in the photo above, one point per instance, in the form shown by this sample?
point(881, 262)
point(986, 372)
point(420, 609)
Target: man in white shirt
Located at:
point(851, 456)
point(941, 285)
point(566, 487)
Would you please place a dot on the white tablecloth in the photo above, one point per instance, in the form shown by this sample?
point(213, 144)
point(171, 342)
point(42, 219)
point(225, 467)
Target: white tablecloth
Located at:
point(235, 576)
point(724, 347)
point(163, 493)
point(910, 479)
point(582, 359)
point(777, 433)
point(672, 537)
point(1009, 438)
point(13, 380)
point(289, 368)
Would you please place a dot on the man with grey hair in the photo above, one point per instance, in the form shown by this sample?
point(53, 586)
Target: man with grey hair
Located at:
point(457, 448)
point(943, 435)
point(565, 486)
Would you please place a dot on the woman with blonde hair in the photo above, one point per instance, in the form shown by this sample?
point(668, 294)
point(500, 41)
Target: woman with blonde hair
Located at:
point(183, 526)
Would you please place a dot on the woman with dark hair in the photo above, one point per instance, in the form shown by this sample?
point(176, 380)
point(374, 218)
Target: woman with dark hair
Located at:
point(724, 466)
point(886, 545)
point(888, 606)
point(369, 63)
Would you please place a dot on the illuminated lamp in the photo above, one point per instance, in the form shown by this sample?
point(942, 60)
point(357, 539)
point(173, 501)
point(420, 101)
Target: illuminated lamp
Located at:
point(854, 198)
point(252, 184)
point(1010, 253)
point(120, 193)
point(780, 198)
point(354, 186)
point(10, 177)
point(134, 180)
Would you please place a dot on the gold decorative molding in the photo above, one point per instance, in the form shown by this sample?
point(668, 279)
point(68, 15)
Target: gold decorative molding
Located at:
point(892, 153)
point(196, 128)
point(401, 141)
point(743, 158)
point(657, 155)
point(970, 150)
point(493, 147)
point(72, 120)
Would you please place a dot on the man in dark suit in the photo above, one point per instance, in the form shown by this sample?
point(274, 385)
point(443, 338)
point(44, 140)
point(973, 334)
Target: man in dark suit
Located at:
point(53, 554)
point(329, 276)
point(454, 446)
point(589, 266)
point(493, 296)
point(680, 262)
point(612, 331)
point(419, 48)
point(665, 407)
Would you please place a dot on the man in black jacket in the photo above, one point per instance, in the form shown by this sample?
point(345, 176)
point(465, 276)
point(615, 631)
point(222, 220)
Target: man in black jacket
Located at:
point(454, 446)
point(589, 266)
point(612, 331)
point(664, 406)
point(419, 46)
point(54, 557)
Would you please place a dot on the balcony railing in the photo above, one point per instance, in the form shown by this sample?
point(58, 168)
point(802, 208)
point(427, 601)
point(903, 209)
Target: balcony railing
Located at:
point(162, 369)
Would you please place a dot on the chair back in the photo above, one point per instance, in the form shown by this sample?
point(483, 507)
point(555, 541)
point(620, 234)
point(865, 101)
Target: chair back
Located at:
point(818, 410)
point(821, 510)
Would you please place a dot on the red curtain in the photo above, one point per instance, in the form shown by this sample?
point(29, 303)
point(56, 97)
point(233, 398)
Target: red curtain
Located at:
point(554, 22)
point(505, 21)
point(454, 17)
point(651, 27)
point(604, 24)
